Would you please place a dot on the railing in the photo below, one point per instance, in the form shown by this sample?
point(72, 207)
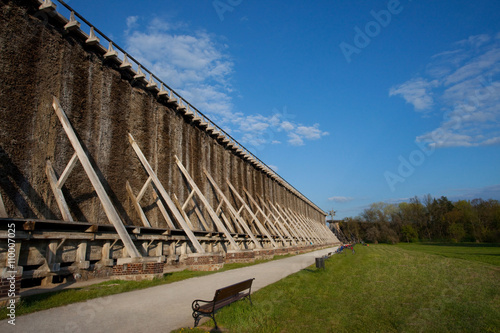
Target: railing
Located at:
point(129, 63)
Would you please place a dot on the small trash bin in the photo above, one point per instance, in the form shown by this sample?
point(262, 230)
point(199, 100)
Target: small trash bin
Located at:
point(320, 262)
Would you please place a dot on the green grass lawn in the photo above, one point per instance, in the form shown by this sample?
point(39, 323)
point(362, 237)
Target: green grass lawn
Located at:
point(381, 288)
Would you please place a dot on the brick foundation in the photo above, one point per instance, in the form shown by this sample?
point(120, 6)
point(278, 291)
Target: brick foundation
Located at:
point(204, 262)
point(264, 254)
point(240, 256)
point(138, 271)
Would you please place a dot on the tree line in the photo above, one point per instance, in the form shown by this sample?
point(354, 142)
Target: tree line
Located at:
point(426, 219)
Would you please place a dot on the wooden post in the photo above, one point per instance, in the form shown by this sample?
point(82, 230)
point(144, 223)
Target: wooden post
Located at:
point(254, 218)
point(285, 222)
point(163, 193)
point(3, 212)
point(209, 209)
point(277, 219)
point(58, 194)
point(137, 206)
point(81, 255)
point(233, 211)
point(269, 222)
point(109, 209)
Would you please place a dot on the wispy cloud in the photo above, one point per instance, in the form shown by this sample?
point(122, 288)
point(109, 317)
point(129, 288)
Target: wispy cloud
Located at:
point(417, 92)
point(340, 199)
point(199, 66)
point(486, 192)
point(462, 87)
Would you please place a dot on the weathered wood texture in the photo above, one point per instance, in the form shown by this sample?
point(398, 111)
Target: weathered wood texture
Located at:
point(103, 104)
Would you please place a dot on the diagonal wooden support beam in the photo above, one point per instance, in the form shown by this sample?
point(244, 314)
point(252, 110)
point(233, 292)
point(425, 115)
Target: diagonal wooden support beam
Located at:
point(277, 219)
point(163, 210)
point(262, 229)
point(285, 222)
point(109, 209)
point(137, 206)
point(58, 194)
point(233, 211)
point(209, 209)
point(3, 212)
point(304, 225)
point(164, 195)
point(295, 224)
point(264, 215)
point(313, 226)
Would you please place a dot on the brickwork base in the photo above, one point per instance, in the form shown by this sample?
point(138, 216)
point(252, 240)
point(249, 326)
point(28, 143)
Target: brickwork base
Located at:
point(264, 254)
point(138, 271)
point(240, 256)
point(204, 262)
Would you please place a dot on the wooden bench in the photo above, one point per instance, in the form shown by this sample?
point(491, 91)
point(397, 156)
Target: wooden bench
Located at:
point(223, 297)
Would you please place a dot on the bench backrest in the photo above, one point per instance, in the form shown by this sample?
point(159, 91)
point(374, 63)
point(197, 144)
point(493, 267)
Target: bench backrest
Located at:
point(232, 290)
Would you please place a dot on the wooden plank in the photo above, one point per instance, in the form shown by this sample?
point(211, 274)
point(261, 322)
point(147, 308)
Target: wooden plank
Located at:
point(143, 189)
point(277, 219)
point(292, 224)
point(109, 209)
point(182, 211)
point(137, 205)
point(265, 216)
point(299, 224)
point(198, 212)
point(285, 222)
point(58, 194)
point(163, 210)
point(64, 176)
point(3, 212)
point(308, 224)
point(302, 225)
point(254, 218)
point(190, 196)
point(164, 195)
point(233, 211)
point(209, 209)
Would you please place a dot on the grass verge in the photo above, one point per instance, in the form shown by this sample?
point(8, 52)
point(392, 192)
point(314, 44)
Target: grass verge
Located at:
point(381, 288)
point(49, 300)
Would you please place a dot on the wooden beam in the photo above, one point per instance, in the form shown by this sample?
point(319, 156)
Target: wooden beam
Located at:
point(163, 210)
point(64, 176)
point(265, 216)
point(58, 194)
point(164, 195)
point(109, 209)
point(209, 209)
point(143, 189)
point(262, 229)
point(137, 206)
point(3, 212)
point(233, 211)
point(277, 219)
point(182, 211)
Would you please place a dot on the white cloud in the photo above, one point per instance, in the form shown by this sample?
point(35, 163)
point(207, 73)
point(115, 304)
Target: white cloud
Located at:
point(295, 139)
point(310, 132)
point(274, 167)
point(416, 92)
point(340, 199)
point(198, 66)
point(462, 87)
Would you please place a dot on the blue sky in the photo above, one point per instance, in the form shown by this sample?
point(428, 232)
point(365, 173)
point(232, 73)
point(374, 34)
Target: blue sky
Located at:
point(352, 102)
